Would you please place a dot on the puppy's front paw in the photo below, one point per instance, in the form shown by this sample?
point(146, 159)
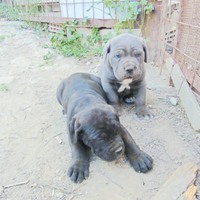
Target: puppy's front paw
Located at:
point(78, 171)
point(143, 113)
point(129, 100)
point(142, 163)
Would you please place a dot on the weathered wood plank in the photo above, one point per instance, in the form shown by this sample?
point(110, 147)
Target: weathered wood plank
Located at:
point(179, 185)
point(189, 193)
point(187, 97)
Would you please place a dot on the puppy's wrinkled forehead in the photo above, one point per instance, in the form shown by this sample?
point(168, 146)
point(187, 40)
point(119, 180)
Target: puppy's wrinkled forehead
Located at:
point(127, 42)
point(102, 119)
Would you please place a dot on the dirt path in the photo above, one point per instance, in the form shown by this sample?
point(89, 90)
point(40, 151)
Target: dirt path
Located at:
point(31, 118)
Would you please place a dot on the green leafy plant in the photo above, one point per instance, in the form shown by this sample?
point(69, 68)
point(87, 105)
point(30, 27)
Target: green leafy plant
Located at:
point(48, 62)
point(11, 13)
point(3, 87)
point(96, 51)
point(74, 22)
point(147, 9)
point(85, 21)
point(99, 50)
point(127, 10)
point(3, 9)
point(6, 36)
point(71, 45)
point(126, 13)
point(46, 46)
point(48, 59)
point(23, 13)
point(107, 37)
point(47, 56)
point(2, 37)
point(94, 38)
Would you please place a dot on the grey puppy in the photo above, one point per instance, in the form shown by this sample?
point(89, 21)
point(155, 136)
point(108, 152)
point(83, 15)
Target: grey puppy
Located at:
point(93, 124)
point(122, 72)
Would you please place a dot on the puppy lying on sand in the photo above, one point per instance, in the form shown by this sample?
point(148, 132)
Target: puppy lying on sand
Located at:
point(93, 124)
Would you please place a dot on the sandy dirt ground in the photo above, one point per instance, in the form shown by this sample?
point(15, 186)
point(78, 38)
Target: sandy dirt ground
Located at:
point(34, 147)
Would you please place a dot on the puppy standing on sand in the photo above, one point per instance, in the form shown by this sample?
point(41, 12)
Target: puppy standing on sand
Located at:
point(122, 72)
point(93, 124)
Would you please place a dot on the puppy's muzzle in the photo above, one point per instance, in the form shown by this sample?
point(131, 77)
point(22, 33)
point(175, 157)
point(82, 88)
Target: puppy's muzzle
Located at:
point(130, 68)
point(117, 149)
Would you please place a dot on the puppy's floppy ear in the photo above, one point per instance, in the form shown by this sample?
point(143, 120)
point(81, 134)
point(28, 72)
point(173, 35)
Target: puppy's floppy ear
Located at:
point(115, 119)
point(115, 122)
point(145, 50)
point(74, 129)
point(106, 51)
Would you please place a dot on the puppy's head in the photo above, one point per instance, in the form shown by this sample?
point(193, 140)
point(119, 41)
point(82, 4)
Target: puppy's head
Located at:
point(125, 55)
point(99, 128)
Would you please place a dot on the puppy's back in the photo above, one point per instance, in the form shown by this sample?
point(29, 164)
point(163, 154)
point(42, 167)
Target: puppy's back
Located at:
point(80, 83)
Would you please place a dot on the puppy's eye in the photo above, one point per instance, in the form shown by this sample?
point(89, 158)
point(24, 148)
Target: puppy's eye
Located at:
point(117, 56)
point(137, 55)
point(103, 135)
point(100, 139)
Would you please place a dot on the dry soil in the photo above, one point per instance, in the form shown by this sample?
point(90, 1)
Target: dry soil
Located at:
point(34, 147)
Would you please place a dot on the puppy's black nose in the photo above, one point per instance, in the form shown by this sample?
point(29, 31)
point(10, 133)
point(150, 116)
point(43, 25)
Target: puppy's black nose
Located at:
point(129, 70)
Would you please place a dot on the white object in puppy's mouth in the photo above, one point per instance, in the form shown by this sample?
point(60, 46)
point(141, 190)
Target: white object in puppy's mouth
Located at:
point(119, 149)
point(124, 85)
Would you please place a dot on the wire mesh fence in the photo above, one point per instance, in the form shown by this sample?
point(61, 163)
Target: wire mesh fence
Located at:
point(180, 37)
point(59, 11)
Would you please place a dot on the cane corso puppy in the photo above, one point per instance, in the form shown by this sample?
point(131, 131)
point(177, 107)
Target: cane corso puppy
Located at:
point(93, 124)
point(122, 72)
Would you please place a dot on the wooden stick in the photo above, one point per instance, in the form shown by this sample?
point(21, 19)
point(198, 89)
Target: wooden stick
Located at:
point(15, 184)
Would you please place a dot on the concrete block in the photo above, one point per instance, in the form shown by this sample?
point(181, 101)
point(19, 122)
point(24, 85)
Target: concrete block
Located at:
point(106, 30)
point(134, 31)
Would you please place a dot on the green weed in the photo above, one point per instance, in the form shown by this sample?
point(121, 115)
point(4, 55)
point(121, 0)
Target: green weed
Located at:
point(2, 37)
point(107, 37)
point(48, 59)
point(47, 62)
point(11, 13)
point(23, 13)
point(68, 46)
point(47, 56)
point(94, 38)
point(71, 45)
point(6, 36)
point(46, 46)
point(98, 51)
point(128, 12)
point(3, 87)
